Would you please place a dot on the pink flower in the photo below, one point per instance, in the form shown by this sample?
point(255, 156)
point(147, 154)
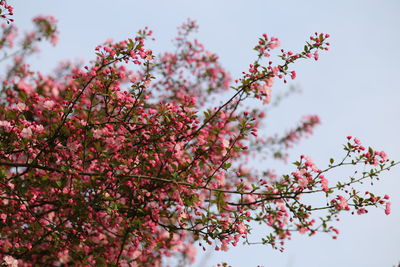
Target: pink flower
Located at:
point(316, 55)
point(324, 184)
point(63, 256)
point(21, 106)
point(361, 211)
point(97, 133)
point(343, 205)
point(54, 39)
point(387, 208)
point(191, 252)
point(10, 261)
point(48, 104)
point(383, 155)
point(225, 143)
point(26, 133)
point(241, 228)
point(39, 128)
point(224, 246)
point(266, 91)
point(303, 181)
point(6, 125)
point(303, 230)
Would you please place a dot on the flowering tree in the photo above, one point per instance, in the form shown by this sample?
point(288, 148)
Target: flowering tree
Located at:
point(126, 161)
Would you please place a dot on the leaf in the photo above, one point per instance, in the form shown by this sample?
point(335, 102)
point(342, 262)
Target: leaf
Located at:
point(227, 165)
point(370, 150)
point(58, 183)
point(220, 201)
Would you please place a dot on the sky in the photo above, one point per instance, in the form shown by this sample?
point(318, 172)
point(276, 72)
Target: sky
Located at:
point(354, 88)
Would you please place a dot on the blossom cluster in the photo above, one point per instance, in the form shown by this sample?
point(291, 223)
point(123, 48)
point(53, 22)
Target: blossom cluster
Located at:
point(6, 11)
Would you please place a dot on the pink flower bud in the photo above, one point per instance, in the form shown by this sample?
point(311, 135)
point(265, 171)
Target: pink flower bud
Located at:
point(293, 75)
point(387, 208)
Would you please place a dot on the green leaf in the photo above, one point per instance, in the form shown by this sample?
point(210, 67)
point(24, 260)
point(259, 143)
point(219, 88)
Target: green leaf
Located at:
point(220, 201)
point(370, 150)
point(59, 183)
point(227, 165)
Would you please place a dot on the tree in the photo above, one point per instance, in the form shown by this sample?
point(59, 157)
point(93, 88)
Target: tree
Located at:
point(126, 161)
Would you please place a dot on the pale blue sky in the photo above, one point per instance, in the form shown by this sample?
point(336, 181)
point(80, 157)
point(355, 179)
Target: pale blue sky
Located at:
point(354, 88)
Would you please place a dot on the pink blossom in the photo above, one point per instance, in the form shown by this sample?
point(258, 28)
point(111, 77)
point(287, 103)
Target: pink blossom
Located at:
point(64, 256)
point(316, 55)
point(6, 125)
point(39, 129)
point(48, 104)
point(387, 208)
point(303, 181)
point(21, 106)
point(225, 143)
point(97, 133)
point(302, 230)
point(54, 39)
point(361, 211)
point(10, 261)
point(225, 245)
point(26, 133)
point(266, 91)
point(324, 184)
point(342, 205)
